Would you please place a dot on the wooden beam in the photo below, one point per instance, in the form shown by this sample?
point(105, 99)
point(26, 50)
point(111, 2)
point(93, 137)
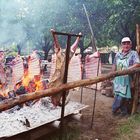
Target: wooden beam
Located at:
point(6, 104)
point(136, 89)
point(136, 93)
point(138, 38)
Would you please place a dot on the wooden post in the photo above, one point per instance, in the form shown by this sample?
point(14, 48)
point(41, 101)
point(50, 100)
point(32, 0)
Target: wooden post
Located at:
point(136, 76)
point(136, 93)
point(138, 38)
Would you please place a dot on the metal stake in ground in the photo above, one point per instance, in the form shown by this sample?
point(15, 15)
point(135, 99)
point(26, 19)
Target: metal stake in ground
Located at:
point(94, 103)
point(65, 81)
point(83, 73)
point(95, 49)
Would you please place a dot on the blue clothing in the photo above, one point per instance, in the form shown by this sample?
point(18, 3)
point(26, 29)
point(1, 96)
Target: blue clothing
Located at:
point(122, 84)
point(132, 56)
point(119, 103)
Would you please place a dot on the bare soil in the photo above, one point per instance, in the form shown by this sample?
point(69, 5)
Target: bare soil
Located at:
point(104, 124)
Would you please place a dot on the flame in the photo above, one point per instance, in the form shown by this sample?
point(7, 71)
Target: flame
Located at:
point(30, 85)
point(38, 83)
point(4, 92)
point(26, 79)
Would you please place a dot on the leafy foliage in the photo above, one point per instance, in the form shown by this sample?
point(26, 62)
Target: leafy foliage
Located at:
point(25, 21)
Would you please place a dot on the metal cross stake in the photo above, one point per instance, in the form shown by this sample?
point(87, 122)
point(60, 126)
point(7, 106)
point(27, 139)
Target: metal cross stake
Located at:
point(69, 35)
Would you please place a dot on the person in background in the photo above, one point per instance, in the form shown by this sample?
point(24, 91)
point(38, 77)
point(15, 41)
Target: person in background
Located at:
point(126, 59)
point(58, 76)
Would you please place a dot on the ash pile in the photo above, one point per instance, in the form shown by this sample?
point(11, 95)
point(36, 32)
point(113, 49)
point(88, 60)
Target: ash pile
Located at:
point(23, 76)
point(15, 121)
point(32, 114)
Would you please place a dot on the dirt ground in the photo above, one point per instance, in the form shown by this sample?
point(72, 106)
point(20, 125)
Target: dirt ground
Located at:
point(104, 124)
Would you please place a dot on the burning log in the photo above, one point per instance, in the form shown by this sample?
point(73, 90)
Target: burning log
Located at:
point(2, 98)
point(6, 104)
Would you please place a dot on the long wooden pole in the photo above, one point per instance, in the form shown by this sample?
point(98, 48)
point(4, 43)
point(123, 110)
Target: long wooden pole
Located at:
point(136, 76)
point(6, 104)
point(136, 93)
point(94, 48)
point(138, 38)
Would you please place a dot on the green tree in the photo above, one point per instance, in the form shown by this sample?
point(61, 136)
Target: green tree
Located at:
point(122, 17)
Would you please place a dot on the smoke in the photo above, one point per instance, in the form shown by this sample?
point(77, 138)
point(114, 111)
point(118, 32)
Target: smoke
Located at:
point(27, 20)
point(12, 30)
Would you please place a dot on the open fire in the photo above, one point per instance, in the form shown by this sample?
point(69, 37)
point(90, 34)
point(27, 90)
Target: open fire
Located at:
point(32, 114)
point(24, 78)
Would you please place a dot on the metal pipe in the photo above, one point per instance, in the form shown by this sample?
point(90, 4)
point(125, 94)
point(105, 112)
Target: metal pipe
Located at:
point(83, 72)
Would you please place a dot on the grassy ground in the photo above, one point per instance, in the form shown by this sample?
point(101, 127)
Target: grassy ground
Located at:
point(127, 130)
point(70, 132)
